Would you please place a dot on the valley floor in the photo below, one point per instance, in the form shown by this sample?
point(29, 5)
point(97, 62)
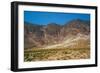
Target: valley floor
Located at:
point(56, 54)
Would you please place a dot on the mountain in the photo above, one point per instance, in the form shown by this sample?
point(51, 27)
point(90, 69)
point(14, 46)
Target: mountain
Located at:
point(32, 35)
point(73, 34)
point(75, 26)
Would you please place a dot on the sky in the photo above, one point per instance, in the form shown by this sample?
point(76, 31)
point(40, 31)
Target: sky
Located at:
point(44, 18)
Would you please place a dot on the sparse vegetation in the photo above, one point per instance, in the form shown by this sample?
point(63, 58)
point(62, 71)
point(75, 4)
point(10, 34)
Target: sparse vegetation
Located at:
point(56, 54)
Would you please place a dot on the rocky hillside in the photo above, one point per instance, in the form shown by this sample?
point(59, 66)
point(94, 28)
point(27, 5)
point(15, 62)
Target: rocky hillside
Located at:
point(74, 34)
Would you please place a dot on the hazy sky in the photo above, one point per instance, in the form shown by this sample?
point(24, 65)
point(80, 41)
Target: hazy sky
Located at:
point(44, 18)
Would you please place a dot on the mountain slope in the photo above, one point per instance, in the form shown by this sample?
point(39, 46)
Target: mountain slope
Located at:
point(74, 34)
point(79, 41)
